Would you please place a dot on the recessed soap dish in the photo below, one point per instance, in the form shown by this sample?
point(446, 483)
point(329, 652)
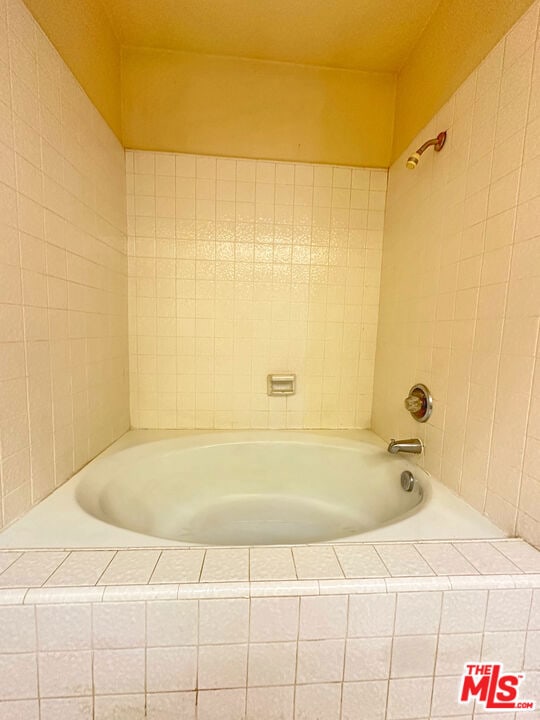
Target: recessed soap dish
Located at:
point(281, 384)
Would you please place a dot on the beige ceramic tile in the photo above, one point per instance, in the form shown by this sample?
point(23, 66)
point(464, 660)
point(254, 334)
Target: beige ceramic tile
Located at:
point(274, 266)
point(67, 175)
point(479, 264)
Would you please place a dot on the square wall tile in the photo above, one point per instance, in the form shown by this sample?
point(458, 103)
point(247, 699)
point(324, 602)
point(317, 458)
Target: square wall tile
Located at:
point(414, 656)
point(409, 698)
point(367, 659)
point(320, 661)
point(223, 621)
point(17, 629)
point(170, 623)
point(65, 674)
point(274, 703)
point(222, 666)
point(272, 664)
point(18, 676)
point(118, 625)
point(445, 697)
point(370, 696)
point(318, 702)
point(372, 615)
point(64, 627)
point(464, 611)
point(508, 647)
point(418, 613)
point(508, 609)
point(171, 669)
point(221, 704)
point(171, 706)
point(119, 671)
point(60, 708)
point(274, 619)
point(456, 650)
point(323, 617)
point(109, 707)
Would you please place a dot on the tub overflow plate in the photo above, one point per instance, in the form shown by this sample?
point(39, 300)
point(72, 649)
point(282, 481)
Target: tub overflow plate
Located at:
point(407, 481)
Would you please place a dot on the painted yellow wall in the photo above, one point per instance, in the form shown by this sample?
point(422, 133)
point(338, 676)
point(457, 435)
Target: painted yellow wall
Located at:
point(370, 35)
point(458, 36)
point(82, 34)
point(214, 105)
point(189, 102)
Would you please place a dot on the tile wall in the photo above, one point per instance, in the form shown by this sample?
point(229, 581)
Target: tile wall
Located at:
point(376, 648)
point(63, 271)
point(396, 656)
point(460, 293)
point(241, 268)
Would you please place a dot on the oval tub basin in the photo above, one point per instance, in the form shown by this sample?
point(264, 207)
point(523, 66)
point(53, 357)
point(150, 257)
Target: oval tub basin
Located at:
point(251, 488)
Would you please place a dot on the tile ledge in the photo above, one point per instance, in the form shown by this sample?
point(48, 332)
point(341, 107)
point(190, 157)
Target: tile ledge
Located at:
point(293, 588)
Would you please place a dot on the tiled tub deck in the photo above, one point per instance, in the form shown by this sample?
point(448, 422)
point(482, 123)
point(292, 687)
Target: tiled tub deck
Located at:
point(344, 632)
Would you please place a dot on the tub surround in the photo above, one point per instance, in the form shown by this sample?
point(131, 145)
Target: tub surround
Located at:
point(460, 302)
point(238, 269)
point(120, 633)
point(63, 271)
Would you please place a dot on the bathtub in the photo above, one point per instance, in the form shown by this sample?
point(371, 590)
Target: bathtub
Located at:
point(161, 488)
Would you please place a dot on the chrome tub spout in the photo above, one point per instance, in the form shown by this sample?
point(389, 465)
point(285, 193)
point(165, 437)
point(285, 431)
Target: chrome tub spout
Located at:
point(413, 445)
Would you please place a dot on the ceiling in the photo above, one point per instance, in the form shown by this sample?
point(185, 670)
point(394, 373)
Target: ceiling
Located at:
point(373, 35)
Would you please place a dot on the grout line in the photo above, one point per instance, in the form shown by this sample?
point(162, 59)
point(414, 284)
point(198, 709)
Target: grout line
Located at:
point(529, 404)
point(336, 556)
point(107, 566)
point(438, 636)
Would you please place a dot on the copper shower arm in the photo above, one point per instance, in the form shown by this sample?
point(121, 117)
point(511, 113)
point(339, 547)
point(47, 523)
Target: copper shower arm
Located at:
point(437, 144)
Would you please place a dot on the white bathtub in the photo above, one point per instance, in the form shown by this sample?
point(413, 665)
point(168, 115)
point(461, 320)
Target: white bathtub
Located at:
point(161, 488)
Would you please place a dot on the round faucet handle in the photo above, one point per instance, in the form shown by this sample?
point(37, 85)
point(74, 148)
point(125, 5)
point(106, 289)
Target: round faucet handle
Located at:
point(414, 404)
